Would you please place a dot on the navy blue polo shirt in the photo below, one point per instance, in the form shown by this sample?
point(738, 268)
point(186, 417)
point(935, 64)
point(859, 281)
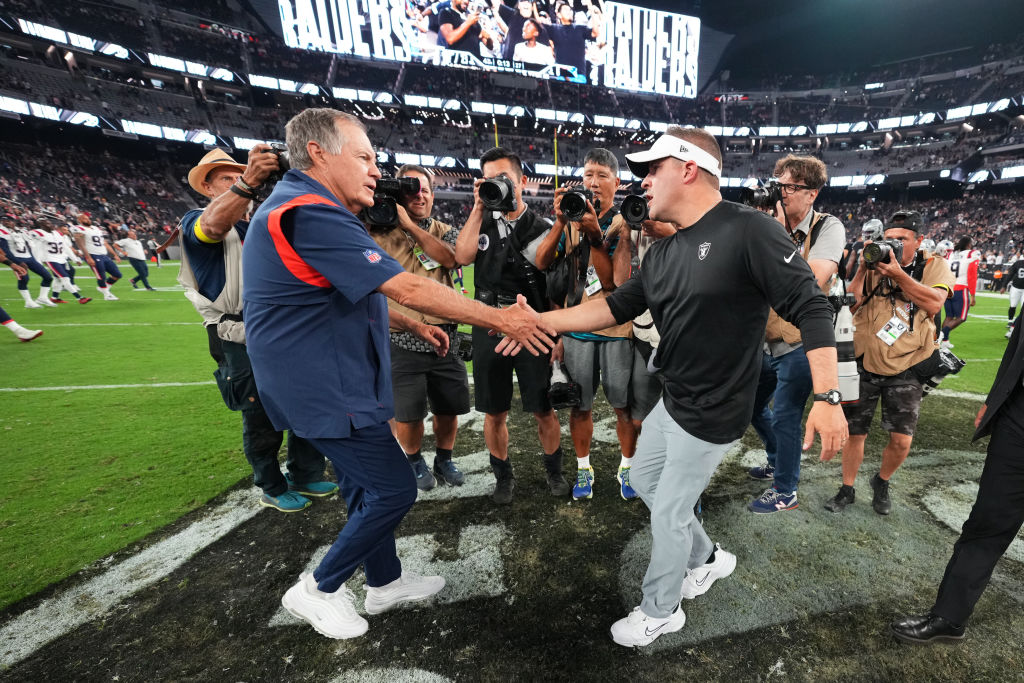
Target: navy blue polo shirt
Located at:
point(316, 329)
point(206, 255)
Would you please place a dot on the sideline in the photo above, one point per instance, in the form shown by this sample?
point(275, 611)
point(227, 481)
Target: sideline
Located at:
point(107, 386)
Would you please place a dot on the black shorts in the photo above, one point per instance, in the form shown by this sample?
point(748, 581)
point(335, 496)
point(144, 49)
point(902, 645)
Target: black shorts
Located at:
point(901, 403)
point(419, 377)
point(492, 376)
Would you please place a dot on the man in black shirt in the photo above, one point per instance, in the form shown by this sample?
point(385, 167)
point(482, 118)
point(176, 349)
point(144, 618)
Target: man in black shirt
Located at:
point(570, 39)
point(503, 247)
point(457, 31)
point(708, 287)
point(1015, 288)
point(513, 19)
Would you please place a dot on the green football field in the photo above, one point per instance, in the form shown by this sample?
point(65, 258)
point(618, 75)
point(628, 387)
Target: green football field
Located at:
point(113, 427)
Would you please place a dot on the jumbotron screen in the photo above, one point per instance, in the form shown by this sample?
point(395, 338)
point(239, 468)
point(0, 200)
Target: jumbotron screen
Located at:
point(609, 44)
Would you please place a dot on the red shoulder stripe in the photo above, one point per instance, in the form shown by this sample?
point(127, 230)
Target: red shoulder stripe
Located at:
point(292, 261)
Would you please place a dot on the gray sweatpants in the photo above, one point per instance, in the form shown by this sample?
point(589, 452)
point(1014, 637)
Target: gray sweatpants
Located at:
point(670, 471)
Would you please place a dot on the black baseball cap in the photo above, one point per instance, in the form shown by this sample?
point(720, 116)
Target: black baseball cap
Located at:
point(905, 220)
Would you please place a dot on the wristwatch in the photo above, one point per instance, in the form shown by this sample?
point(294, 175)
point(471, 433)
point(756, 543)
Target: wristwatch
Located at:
point(832, 397)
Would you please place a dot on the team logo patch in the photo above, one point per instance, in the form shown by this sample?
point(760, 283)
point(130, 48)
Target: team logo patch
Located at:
point(372, 256)
point(483, 242)
point(702, 250)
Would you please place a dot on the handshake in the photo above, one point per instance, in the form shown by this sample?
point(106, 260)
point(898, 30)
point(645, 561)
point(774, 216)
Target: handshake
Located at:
point(524, 328)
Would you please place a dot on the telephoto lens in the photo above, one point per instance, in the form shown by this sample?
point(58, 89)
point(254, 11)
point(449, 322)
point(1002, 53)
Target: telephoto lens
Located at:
point(882, 252)
point(498, 194)
point(574, 203)
point(634, 209)
point(849, 378)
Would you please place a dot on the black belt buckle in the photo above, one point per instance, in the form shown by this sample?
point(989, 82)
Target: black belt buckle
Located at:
point(486, 297)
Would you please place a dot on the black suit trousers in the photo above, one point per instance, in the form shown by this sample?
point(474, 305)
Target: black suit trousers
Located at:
point(995, 519)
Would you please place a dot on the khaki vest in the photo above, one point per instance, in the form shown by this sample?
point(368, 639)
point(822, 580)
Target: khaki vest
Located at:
point(778, 329)
point(229, 301)
point(624, 330)
point(399, 245)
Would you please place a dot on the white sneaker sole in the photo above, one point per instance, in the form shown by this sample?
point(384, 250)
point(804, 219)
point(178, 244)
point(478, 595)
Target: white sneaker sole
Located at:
point(675, 622)
point(404, 594)
point(352, 630)
point(727, 568)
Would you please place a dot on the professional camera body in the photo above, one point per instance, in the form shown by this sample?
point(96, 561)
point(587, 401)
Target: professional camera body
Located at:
point(383, 215)
point(633, 209)
point(764, 197)
point(882, 251)
point(498, 194)
point(563, 392)
point(283, 164)
point(574, 203)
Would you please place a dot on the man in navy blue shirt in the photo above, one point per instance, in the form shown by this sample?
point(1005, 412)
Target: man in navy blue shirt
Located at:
point(317, 325)
point(211, 261)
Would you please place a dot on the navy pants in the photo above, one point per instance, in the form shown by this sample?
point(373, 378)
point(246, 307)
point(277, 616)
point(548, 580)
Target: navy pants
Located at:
point(37, 268)
point(104, 268)
point(142, 268)
point(379, 488)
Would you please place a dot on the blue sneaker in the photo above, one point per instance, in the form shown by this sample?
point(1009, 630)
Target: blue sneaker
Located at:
point(289, 501)
point(424, 479)
point(763, 473)
point(317, 489)
point(584, 487)
point(446, 471)
point(772, 501)
point(625, 489)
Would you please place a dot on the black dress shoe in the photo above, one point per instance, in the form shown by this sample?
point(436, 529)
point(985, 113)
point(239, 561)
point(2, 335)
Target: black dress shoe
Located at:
point(926, 628)
point(880, 502)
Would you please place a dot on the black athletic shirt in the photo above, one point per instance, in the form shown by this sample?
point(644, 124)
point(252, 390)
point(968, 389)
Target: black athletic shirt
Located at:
point(1016, 274)
point(709, 288)
point(467, 43)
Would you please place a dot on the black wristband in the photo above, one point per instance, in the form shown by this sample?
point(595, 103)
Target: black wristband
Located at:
point(242, 193)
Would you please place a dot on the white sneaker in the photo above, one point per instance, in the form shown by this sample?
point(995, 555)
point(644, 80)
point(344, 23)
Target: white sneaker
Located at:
point(43, 301)
point(27, 335)
point(31, 304)
point(406, 588)
point(640, 629)
point(699, 580)
point(945, 344)
point(331, 614)
point(110, 297)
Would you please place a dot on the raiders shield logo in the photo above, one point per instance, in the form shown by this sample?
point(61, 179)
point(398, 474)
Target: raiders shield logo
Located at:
point(703, 249)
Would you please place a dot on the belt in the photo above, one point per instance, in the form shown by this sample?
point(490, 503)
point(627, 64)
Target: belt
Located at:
point(495, 299)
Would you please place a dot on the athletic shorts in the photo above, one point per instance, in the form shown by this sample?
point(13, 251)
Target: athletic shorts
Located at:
point(421, 377)
point(610, 361)
point(958, 305)
point(901, 403)
point(492, 376)
point(1016, 296)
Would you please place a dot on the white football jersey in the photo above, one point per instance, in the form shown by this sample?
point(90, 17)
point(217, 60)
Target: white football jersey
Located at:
point(37, 242)
point(16, 242)
point(960, 264)
point(93, 239)
point(53, 243)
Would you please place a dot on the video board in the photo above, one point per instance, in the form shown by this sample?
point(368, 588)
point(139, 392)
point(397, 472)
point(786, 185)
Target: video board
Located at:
point(610, 44)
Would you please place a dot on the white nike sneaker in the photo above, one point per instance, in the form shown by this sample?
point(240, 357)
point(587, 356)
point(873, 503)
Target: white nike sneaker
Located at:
point(43, 301)
point(945, 344)
point(110, 297)
point(24, 334)
point(31, 304)
point(406, 588)
point(331, 614)
point(640, 629)
point(699, 580)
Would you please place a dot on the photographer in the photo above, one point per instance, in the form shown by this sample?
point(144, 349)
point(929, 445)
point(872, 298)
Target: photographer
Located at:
point(818, 238)
point(503, 243)
point(897, 299)
point(588, 243)
point(211, 263)
point(425, 246)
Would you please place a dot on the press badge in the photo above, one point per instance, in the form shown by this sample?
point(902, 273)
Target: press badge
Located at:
point(593, 282)
point(893, 330)
point(425, 260)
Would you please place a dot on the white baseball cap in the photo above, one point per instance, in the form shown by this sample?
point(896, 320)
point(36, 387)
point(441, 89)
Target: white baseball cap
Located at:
point(677, 148)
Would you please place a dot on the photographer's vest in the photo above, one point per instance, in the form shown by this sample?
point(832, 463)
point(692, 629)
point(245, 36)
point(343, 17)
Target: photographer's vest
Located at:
point(225, 312)
point(497, 270)
point(404, 249)
point(778, 329)
point(914, 345)
point(573, 240)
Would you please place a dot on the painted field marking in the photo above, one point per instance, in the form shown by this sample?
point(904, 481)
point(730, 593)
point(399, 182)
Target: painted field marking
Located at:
point(107, 386)
point(61, 614)
point(390, 675)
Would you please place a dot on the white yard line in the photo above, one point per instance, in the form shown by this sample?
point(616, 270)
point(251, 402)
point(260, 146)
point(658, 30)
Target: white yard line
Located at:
point(107, 386)
point(945, 393)
point(61, 614)
point(49, 325)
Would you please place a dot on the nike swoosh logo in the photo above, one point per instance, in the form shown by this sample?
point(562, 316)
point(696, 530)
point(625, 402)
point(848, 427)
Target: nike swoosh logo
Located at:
point(790, 257)
point(704, 580)
point(649, 632)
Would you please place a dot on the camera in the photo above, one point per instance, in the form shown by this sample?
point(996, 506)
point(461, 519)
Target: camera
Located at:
point(563, 392)
point(464, 348)
point(948, 364)
point(634, 209)
point(281, 150)
point(386, 195)
point(498, 194)
point(882, 251)
point(574, 203)
point(764, 197)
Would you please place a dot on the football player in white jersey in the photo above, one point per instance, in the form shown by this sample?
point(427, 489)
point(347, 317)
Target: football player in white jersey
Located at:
point(15, 245)
point(57, 259)
point(5, 319)
point(963, 261)
point(98, 255)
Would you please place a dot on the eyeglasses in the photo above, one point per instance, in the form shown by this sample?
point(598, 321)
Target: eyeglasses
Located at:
point(790, 188)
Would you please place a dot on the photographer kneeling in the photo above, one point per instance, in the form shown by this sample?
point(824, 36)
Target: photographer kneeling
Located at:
point(899, 290)
point(424, 246)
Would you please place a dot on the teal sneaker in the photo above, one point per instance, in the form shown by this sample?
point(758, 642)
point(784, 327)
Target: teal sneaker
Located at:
point(584, 487)
point(289, 501)
point(317, 489)
point(625, 489)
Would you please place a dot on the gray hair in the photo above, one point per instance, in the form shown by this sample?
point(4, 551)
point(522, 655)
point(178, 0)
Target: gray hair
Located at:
point(318, 125)
point(602, 157)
